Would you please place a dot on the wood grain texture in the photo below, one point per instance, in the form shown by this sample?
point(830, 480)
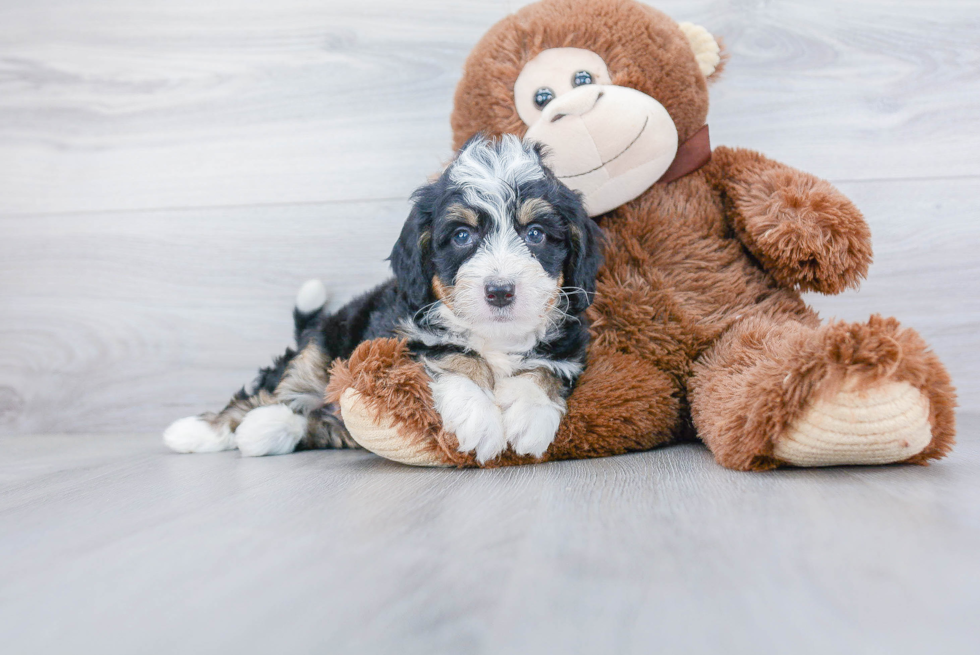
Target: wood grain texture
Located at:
point(170, 173)
point(120, 105)
point(127, 320)
point(110, 545)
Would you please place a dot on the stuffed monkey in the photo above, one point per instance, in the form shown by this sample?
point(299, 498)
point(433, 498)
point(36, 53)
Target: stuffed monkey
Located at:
point(698, 326)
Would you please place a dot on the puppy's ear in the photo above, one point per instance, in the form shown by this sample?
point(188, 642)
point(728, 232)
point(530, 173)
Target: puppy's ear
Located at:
point(584, 241)
point(411, 257)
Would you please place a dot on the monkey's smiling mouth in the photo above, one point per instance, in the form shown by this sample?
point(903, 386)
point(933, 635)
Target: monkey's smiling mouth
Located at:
point(612, 159)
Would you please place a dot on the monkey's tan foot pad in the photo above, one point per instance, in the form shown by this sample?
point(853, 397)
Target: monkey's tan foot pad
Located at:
point(883, 424)
point(379, 434)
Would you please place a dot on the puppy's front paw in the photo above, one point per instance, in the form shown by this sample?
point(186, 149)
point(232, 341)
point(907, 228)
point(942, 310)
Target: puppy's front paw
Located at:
point(531, 417)
point(470, 413)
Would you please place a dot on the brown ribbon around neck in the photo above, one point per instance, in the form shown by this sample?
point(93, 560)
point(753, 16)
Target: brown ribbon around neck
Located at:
point(691, 155)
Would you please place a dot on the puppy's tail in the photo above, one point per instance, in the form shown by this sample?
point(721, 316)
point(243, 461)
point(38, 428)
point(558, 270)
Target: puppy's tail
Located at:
point(310, 301)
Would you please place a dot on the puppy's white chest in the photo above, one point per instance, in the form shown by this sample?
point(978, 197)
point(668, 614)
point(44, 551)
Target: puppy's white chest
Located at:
point(502, 364)
point(505, 356)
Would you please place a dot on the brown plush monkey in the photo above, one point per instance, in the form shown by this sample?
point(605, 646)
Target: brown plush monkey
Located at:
point(698, 325)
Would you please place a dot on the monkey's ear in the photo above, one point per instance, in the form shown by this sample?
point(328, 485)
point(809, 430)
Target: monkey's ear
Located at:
point(411, 257)
point(707, 49)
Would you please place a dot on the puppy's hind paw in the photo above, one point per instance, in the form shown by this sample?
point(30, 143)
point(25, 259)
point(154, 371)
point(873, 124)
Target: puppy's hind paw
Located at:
point(193, 434)
point(270, 430)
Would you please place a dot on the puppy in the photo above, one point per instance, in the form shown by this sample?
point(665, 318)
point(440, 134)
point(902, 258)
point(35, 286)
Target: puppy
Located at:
point(494, 270)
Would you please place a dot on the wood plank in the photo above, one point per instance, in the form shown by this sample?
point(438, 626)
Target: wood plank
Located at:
point(110, 105)
point(115, 105)
point(850, 91)
point(126, 321)
point(109, 544)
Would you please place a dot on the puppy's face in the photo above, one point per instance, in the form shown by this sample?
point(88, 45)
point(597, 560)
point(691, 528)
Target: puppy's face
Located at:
point(499, 262)
point(504, 245)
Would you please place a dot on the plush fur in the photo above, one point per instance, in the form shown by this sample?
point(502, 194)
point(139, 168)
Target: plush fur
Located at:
point(698, 328)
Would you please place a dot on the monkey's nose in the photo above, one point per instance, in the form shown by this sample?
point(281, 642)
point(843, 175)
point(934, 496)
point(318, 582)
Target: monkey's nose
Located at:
point(499, 293)
point(577, 102)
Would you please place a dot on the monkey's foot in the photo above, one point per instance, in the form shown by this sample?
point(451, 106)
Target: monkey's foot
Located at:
point(882, 424)
point(378, 433)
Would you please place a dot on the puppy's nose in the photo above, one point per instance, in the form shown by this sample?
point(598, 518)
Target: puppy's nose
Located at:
point(499, 293)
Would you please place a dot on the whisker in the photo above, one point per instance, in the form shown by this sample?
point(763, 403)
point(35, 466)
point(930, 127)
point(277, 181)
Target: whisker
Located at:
point(578, 290)
point(426, 309)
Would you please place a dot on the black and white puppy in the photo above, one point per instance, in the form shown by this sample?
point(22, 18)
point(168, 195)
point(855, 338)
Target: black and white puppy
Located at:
point(494, 270)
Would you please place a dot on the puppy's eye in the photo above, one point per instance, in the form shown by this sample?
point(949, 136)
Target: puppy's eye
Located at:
point(462, 237)
point(582, 77)
point(534, 235)
point(543, 96)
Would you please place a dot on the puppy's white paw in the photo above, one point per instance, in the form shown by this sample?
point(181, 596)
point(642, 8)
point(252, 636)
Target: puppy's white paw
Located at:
point(469, 412)
point(270, 430)
point(531, 417)
point(531, 428)
point(195, 435)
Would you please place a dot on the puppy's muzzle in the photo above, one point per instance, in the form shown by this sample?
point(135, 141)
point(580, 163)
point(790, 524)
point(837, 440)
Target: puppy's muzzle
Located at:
point(499, 293)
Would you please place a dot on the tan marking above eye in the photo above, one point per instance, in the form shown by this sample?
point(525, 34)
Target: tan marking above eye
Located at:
point(462, 214)
point(532, 209)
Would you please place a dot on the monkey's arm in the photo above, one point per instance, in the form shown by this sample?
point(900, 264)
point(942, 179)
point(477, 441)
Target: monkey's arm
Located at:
point(801, 229)
point(621, 403)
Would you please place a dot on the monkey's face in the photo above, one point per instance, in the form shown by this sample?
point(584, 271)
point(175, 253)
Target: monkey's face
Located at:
point(608, 142)
point(612, 88)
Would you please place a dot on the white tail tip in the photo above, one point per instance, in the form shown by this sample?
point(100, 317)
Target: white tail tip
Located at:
point(311, 296)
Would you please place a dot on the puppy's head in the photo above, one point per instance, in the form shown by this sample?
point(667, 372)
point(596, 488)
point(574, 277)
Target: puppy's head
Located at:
point(500, 241)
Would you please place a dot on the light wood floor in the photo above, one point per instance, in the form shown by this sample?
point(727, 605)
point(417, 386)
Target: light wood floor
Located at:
point(109, 544)
point(170, 172)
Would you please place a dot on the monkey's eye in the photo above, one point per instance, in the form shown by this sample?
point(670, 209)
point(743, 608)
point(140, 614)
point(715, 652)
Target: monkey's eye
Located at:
point(582, 77)
point(534, 235)
point(543, 96)
point(462, 237)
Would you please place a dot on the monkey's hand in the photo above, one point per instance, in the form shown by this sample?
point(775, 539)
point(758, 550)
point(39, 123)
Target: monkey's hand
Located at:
point(801, 229)
point(621, 403)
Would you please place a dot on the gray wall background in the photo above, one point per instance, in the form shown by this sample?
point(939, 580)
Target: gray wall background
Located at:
point(171, 172)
